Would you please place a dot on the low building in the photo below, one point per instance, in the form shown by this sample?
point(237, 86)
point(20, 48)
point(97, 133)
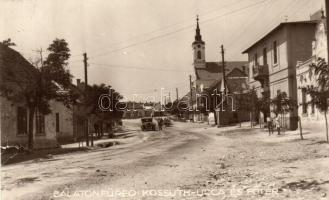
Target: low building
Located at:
point(305, 75)
point(15, 112)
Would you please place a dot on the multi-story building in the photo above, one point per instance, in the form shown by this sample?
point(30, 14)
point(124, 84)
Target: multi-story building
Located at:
point(272, 62)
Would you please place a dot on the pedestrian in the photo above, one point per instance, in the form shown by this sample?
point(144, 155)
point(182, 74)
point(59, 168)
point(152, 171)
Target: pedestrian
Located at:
point(160, 122)
point(277, 124)
point(269, 125)
point(96, 128)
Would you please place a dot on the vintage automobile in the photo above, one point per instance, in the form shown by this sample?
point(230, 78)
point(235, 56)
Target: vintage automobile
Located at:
point(148, 123)
point(167, 121)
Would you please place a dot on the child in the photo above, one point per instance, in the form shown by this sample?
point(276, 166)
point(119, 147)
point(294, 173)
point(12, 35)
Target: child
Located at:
point(277, 124)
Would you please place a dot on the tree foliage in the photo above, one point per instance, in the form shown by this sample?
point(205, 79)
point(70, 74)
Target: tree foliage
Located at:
point(282, 103)
point(320, 92)
point(112, 101)
point(8, 42)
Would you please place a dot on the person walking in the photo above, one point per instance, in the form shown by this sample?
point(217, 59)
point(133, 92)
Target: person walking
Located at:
point(269, 125)
point(277, 124)
point(96, 129)
point(160, 124)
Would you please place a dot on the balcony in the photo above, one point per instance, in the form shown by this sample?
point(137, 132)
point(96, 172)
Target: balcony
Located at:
point(261, 74)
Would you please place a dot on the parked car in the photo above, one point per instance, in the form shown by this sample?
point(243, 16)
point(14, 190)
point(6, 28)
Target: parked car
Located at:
point(167, 121)
point(148, 123)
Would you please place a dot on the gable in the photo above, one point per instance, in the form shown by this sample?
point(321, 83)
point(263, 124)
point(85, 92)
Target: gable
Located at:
point(236, 73)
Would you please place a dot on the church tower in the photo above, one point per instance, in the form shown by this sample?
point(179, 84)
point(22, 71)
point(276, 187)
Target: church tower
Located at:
point(198, 46)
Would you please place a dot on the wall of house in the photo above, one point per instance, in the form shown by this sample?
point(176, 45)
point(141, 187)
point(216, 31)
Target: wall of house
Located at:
point(65, 120)
point(305, 76)
point(277, 70)
point(48, 139)
point(320, 43)
point(9, 131)
point(294, 44)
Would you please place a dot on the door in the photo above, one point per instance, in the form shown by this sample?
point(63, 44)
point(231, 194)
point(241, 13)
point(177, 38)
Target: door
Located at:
point(57, 122)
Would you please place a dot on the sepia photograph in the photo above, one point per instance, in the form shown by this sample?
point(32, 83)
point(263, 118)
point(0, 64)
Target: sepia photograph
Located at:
point(164, 99)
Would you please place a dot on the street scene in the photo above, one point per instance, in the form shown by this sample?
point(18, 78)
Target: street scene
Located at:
point(164, 99)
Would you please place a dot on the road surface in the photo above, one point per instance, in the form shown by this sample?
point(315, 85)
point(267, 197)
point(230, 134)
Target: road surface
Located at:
point(186, 161)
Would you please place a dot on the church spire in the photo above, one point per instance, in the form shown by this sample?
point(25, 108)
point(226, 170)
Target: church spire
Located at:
point(198, 37)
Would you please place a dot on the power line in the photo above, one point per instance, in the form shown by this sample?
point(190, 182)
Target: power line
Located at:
point(178, 30)
point(244, 29)
point(140, 68)
point(272, 22)
point(175, 24)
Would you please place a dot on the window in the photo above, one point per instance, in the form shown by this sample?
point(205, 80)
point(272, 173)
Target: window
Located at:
point(40, 123)
point(199, 55)
point(21, 121)
point(264, 56)
point(275, 52)
point(255, 59)
point(304, 104)
point(57, 122)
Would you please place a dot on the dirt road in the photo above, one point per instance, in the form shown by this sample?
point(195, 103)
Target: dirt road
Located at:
point(186, 161)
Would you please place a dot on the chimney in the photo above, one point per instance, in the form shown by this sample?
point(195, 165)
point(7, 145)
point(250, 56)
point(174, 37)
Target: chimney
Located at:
point(78, 82)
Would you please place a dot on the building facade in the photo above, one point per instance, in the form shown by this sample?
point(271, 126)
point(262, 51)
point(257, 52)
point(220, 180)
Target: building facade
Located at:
point(272, 62)
point(305, 75)
point(19, 76)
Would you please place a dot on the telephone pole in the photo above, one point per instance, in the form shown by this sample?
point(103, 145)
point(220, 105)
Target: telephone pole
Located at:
point(85, 62)
point(86, 85)
point(327, 22)
point(191, 96)
point(223, 64)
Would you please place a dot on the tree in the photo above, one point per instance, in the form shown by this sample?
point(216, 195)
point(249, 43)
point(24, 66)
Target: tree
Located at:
point(320, 92)
point(106, 109)
point(8, 43)
point(263, 104)
point(50, 81)
point(282, 104)
point(247, 103)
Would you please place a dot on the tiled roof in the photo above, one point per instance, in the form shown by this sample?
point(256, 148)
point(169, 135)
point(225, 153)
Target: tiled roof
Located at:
point(16, 72)
point(214, 71)
point(236, 82)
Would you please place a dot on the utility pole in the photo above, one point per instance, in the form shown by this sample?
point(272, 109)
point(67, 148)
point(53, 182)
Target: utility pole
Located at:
point(327, 22)
point(86, 85)
point(85, 62)
point(177, 103)
point(191, 95)
point(223, 66)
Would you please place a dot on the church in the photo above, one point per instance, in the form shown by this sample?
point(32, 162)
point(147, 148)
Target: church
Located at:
point(210, 76)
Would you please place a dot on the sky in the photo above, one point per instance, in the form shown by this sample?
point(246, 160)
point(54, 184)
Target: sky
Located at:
point(141, 46)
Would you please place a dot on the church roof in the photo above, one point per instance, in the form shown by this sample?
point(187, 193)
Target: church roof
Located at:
point(214, 70)
point(236, 81)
